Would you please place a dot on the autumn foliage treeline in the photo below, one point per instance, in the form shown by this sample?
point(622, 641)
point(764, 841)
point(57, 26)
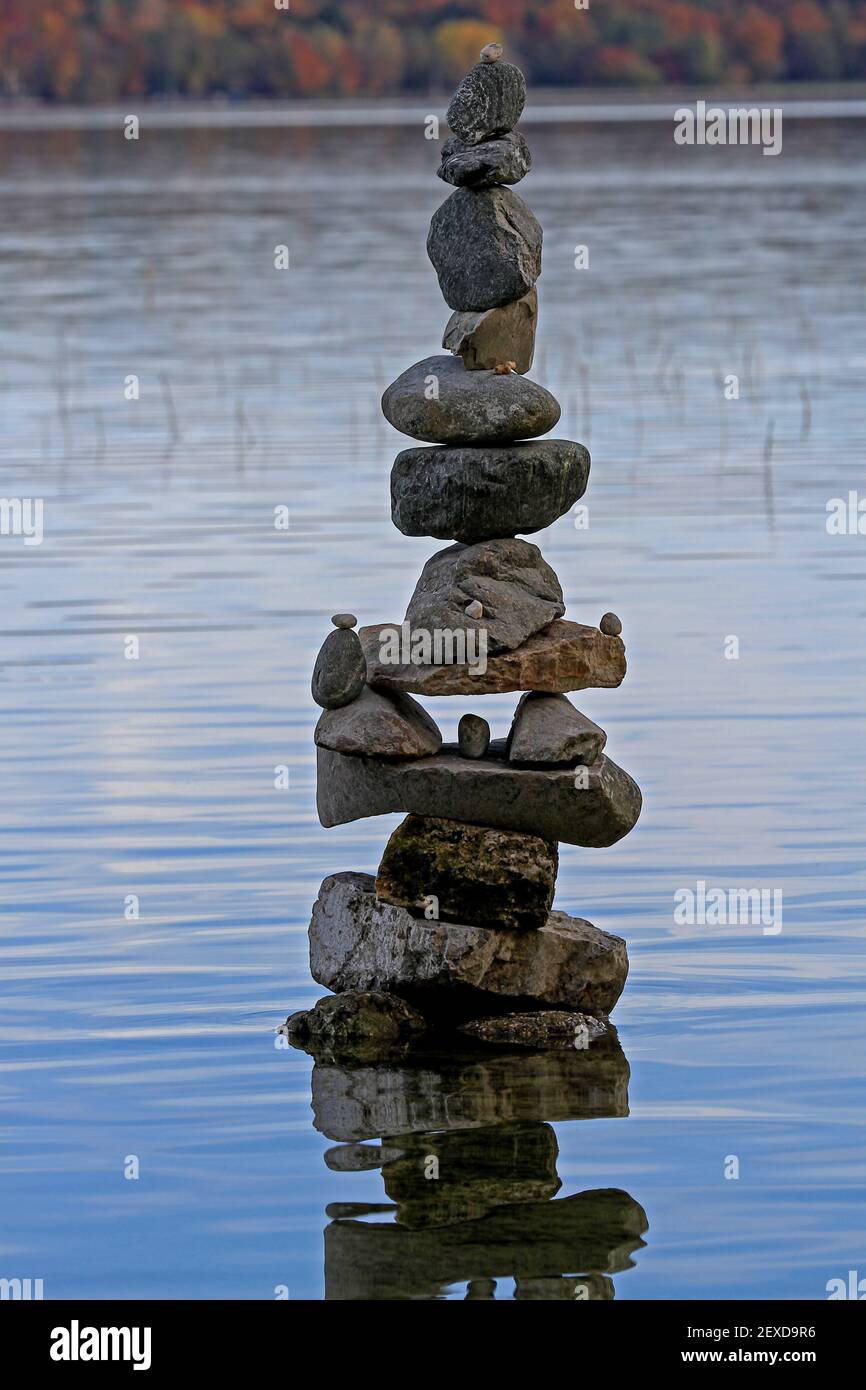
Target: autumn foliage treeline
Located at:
point(102, 50)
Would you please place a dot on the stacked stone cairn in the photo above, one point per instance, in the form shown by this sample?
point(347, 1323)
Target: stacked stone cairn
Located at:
point(457, 931)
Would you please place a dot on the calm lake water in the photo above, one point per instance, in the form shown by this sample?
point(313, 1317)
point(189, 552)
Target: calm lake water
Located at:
point(152, 1036)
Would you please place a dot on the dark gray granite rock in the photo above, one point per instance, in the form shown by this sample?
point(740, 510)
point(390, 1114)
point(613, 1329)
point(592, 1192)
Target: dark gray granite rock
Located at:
point(495, 337)
point(567, 656)
point(611, 624)
point(505, 159)
point(485, 246)
point(595, 808)
point(546, 1028)
point(380, 725)
point(438, 400)
point(473, 736)
point(548, 730)
point(372, 1021)
point(488, 878)
point(474, 494)
point(489, 101)
point(453, 971)
point(518, 591)
point(340, 670)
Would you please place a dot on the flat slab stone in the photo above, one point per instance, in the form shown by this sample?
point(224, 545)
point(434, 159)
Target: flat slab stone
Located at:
point(546, 1028)
point(518, 592)
point(503, 159)
point(594, 808)
point(474, 494)
point(567, 656)
point(548, 730)
point(489, 101)
point(439, 401)
point(496, 336)
point(389, 725)
point(489, 878)
point(448, 970)
point(485, 245)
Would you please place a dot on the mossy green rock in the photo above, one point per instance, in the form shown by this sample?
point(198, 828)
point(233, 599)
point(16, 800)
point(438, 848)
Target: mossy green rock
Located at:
point(490, 878)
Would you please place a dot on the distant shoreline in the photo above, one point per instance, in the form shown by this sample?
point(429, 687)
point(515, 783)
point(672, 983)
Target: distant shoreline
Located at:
point(553, 105)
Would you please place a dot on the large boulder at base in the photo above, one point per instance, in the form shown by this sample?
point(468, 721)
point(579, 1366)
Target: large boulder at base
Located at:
point(518, 592)
point(458, 971)
point(485, 247)
point(488, 102)
point(548, 730)
point(566, 656)
point(590, 806)
point(504, 159)
point(479, 493)
point(439, 401)
point(495, 337)
point(490, 878)
point(380, 725)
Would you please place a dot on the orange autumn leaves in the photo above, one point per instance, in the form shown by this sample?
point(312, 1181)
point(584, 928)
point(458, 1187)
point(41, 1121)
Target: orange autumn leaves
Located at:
point(103, 50)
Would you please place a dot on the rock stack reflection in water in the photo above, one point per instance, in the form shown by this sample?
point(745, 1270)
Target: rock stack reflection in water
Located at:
point(457, 928)
point(468, 1160)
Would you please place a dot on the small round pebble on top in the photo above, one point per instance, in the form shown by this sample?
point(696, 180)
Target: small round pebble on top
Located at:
point(492, 53)
point(610, 625)
point(344, 620)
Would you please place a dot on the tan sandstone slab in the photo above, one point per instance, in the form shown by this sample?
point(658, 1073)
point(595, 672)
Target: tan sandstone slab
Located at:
point(566, 656)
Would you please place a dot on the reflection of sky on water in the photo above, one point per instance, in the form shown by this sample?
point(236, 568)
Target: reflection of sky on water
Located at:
point(155, 777)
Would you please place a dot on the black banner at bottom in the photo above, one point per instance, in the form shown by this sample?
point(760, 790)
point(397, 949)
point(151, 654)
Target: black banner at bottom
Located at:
point(159, 1338)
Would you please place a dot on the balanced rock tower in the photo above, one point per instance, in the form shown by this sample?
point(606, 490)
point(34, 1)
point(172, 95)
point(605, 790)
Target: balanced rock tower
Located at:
point(457, 931)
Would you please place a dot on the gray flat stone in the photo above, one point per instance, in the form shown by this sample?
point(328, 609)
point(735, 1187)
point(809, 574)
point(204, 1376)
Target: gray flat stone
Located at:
point(489, 101)
point(552, 803)
point(340, 669)
point(505, 159)
point(547, 729)
point(488, 878)
point(448, 970)
point(438, 400)
point(494, 337)
point(546, 1028)
point(474, 494)
point(382, 725)
point(485, 246)
point(518, 591)
point(567, 656)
